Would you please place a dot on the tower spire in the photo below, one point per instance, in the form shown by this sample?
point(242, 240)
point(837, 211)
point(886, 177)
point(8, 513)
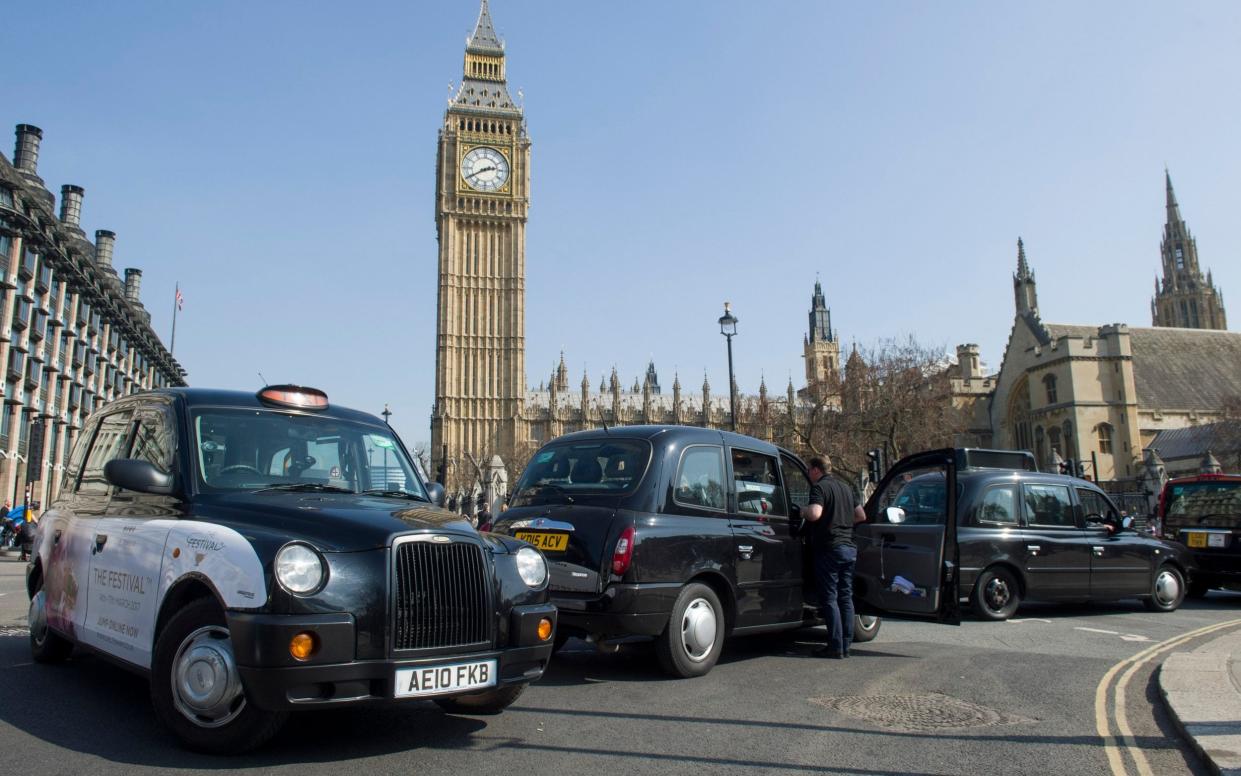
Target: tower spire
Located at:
point(1174, 210)
point(1024, 290)
point(484, 40)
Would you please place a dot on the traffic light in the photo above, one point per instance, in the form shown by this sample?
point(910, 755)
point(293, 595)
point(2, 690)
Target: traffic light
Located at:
point(1081, 469)
point(1065, 467)
point(874, 464)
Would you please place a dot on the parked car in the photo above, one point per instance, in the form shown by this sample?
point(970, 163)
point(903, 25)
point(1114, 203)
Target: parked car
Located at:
point(675, 533)
point(1020, 535)
point(1204, 512)
point(254, 554)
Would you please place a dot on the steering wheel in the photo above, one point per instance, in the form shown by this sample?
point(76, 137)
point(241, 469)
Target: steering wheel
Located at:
point(239, 467)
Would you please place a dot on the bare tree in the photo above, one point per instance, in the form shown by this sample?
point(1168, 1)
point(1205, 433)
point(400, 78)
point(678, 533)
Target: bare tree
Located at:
point(896, 396)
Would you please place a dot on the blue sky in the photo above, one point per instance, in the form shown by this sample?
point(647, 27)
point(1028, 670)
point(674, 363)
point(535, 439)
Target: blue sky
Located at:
point(277, 159)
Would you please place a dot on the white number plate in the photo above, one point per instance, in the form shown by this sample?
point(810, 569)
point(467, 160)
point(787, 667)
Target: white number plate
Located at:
point(437, 680)
point(1217, 540)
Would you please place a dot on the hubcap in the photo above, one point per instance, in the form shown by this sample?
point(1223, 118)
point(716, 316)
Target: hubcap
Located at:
point(36, 617)
point(206, 686)
point(997, 594)
point(867, 621)
point(698, 629)
point(1167, 588)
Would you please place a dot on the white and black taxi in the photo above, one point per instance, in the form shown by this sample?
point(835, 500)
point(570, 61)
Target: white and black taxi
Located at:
point(254, 554)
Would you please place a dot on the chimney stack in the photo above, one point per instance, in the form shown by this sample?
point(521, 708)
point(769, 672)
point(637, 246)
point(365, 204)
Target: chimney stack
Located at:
point(71, 205)
point(26, 153)
point(105, 242)
point(133, 285)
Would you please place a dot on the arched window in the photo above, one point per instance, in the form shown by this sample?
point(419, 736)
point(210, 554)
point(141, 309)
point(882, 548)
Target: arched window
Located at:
point(1050, 383)
point(1104, 430)
point(1053, 439)
point(1070, 443)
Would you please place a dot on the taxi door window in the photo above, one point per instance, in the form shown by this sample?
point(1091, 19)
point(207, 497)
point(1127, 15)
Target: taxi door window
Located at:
point(112, 441)
point(154, 440)
point(1049, 506)
point(78, 454)
point(999, 506)
point(916, 497)
point(700, 478)
point(1095, 506)
point(758, 484)
point(796, 484)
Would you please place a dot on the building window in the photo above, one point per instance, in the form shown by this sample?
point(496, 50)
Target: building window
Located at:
point(1104, 430)
point(1050, 382)
point(1180, 259)
point(6, 197)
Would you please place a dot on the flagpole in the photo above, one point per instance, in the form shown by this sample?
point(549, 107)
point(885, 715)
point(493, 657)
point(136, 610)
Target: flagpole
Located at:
point(176, 299)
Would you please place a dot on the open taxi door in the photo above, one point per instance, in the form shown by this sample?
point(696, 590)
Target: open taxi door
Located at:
point(908, 557)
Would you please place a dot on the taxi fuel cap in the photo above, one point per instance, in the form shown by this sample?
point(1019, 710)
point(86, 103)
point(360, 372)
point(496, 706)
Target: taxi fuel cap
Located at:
point(296, 396)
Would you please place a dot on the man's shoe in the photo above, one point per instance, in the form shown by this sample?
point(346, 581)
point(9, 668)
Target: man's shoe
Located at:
point(829, 653)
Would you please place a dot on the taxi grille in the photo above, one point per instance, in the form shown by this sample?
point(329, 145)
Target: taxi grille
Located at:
point(441, 596)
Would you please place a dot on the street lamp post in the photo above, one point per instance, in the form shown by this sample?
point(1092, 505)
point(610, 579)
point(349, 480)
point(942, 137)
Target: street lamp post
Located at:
point(728, 327)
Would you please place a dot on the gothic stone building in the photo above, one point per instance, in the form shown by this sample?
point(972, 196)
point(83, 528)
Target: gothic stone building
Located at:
point(73, 335)
point(1101, 394)
point(483, 407)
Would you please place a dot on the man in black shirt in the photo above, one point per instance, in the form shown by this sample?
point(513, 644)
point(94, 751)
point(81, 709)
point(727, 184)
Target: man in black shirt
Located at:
point(830, 517)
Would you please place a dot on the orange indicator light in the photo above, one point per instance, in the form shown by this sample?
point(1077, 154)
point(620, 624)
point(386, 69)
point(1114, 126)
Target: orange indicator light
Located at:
point(303, 645)
point(545, 629)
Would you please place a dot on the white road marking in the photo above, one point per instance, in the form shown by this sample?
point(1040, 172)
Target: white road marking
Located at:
point(1134, 637)
point(1099, 630)
point(1029, 619)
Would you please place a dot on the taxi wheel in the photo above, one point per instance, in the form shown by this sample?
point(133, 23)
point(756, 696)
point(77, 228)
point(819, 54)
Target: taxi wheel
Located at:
point(1167, 591)
point(196, 688)
point(996, 594)
point(694, 636)
point(489, 702)
point(865, 628)
point(46, 646)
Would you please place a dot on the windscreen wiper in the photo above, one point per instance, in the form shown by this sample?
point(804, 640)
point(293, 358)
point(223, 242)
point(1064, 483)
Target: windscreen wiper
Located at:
point(396, 494)
point(310, 487)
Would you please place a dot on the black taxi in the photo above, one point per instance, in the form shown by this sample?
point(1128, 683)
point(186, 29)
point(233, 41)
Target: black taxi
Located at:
point(254, 554)
point(683, 534)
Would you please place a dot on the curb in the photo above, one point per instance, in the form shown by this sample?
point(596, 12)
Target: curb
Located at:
point(1204, 702)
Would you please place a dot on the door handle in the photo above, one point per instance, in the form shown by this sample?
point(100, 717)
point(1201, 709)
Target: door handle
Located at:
point(1034, 549)
point(746, 551)
point(1098, 551)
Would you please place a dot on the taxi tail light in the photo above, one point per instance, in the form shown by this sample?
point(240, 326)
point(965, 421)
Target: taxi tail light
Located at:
point(622, 556)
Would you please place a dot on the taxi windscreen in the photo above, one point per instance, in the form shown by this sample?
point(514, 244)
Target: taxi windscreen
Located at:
point(247, 449)
point(1213, 504)
point(599, 467)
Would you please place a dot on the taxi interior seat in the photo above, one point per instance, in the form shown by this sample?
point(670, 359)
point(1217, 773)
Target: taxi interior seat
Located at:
point(587, 470)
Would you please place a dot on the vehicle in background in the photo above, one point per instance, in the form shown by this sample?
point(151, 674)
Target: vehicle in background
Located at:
point(1021, 535)
point(1203, 512)
point(682, 534)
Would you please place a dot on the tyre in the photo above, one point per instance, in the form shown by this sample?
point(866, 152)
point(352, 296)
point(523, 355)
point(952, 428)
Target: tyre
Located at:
point(694, 638)
point(196, 688)
point(865, 628)
point(1167, 590)
point(46, 646)
point(996, 594)
point(490, 702)
point(1198, 589)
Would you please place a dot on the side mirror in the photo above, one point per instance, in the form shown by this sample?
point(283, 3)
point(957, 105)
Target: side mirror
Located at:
point(895, 515)
point(436, 492)
point(1126, 522)
point(141, 476)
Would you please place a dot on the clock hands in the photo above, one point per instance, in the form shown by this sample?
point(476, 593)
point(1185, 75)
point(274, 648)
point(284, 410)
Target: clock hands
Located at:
point(476, 172)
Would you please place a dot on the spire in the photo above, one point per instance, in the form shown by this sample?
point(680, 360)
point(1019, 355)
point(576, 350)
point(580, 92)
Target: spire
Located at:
point(1024, 291)
point(706, 386)
point(820, 317)
point(1174, 210)
point(484, 40)
point(1023, 269)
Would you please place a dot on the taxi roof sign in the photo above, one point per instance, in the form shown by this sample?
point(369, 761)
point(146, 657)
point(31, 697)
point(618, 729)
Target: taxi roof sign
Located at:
point(295, 396)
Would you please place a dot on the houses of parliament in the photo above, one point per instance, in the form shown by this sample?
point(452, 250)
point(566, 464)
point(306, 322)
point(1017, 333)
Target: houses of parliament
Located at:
point(487, 418)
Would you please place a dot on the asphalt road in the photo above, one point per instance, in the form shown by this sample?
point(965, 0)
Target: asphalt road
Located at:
point(1016, 697)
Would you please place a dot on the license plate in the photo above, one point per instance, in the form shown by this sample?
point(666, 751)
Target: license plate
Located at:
point(1197, 540)
point(1217, 540)
point(437, 680)
point(552, 542)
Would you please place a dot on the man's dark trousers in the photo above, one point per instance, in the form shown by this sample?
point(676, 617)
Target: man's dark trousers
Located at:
point(833, 571)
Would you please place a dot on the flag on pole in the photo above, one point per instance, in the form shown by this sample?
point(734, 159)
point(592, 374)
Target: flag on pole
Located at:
point(180, 299)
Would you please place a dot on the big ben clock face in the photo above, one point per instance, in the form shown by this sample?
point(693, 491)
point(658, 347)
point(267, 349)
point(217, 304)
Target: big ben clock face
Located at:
point(484, 169)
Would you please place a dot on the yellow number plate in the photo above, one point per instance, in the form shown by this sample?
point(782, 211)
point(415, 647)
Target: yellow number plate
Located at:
point(1195, 540)
point(552, 542)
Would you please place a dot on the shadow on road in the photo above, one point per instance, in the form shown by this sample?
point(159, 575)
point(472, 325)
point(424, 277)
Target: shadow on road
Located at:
point(89, 705)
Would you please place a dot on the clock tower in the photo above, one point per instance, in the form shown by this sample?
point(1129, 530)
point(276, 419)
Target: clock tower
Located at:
point(482, 195)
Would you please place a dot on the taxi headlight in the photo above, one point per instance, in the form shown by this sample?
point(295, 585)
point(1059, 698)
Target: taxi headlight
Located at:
point(299, 569)
point(531, 566)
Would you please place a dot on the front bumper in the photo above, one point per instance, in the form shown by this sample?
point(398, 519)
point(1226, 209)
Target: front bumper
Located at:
point(331, 677)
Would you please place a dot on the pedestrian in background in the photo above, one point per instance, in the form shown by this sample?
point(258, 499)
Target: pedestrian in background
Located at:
point(830, 516)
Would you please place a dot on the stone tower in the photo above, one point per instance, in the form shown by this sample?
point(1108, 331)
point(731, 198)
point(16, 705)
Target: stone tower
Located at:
point(482, 195)
point(1184, 299)
point(822, 351)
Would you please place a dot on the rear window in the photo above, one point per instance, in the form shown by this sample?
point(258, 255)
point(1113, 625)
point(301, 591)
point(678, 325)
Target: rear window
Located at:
point(601, 467)
point(1210, 504)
